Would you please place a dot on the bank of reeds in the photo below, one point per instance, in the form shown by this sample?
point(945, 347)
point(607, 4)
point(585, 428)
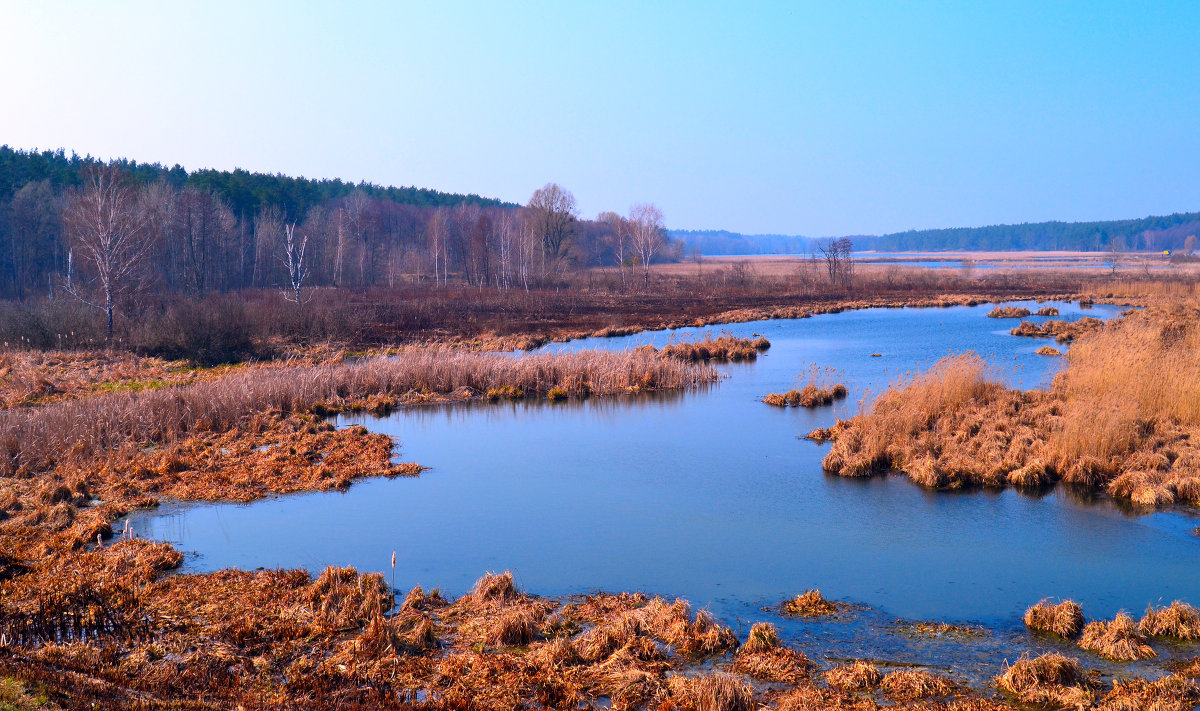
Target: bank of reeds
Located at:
point(1123, 417)
point(808, 396)
point(32, 439)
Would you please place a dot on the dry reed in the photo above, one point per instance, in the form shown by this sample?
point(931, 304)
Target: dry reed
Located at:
point(1051, 680)
point(1064, 619)
point(913, 685)
point(857, 676)
point(1009, 312)
point(1178, 620)
point(810, 603)
point(1117, 639)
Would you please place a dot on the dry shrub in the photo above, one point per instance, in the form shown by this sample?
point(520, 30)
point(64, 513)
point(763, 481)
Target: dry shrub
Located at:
point(1008, 312)
point(1051, 680)
point(913, 684)
point(1178, 620)
point(1064, 619)
point(856, 676)
point(811, 604)
point(714, 692)
point(1117, 639)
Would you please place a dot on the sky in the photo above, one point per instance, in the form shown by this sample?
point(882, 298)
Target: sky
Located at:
point(793, 117)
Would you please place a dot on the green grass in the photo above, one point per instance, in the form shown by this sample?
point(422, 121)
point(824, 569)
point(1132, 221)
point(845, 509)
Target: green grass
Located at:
point(16, 696)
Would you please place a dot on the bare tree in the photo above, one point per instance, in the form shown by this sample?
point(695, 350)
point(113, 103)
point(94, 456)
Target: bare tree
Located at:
point(1116, 246)
point(552, 213)
point(838, 261)
point(108, 230)
point(646, 234)
point(293, 259)
point(618, 238)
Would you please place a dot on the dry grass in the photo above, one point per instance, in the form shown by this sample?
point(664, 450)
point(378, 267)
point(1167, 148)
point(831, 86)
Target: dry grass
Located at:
point(857, 676)
point(1051, 680)
point(810, 603)
point(1064, 619)
point(1061, 331)
point(1048, 351)
point(713, 692)
point(913, 685)
point(1124, 417)
point(35, 438)
point(1170, 693)
point(1047, 311)
point(808, 396)
point(1178, 620)
point(1117, 639)
point(723, 349)
point(1009, 312)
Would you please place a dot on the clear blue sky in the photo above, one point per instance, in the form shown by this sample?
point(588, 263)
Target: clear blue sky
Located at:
point(803, 118)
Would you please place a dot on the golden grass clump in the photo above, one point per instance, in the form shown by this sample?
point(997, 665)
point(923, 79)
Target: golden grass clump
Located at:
point(1051, 680)
point(721, 349)
point(1061, 331)
point(1047, 311)
point(763, 657)
point(856, 676)
point(712, 692)
point(808, 396)
point(762, 638)
point(1117, 639)
point(1064, 619)
point(1170, 693)
point(1178, 620)
point(913, 685)
point(811, 603)
point(1009, 312)
point(1048, 351)
point(495, 586)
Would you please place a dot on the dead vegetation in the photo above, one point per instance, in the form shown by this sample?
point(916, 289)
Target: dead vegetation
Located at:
point(722, 349)
point(1117, 639)
point(811, 603)
point(856, 676)
point(808, 396)
point(1061, 331)
point(1178, 620)
point(914, 685)
point(1064, 619)
point(1048, 351)
point(1124, 417)
point(1009, 312)
point(1051, 680)
point(1047, 311)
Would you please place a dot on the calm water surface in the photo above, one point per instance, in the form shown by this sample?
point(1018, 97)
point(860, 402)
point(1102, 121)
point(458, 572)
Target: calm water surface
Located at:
point(711, 496)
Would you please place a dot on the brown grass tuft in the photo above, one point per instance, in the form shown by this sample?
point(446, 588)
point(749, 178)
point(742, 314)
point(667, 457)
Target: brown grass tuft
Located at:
point(913, 685)
point(762, 638)
point(493, 586)
point(1170, 693)
point(857, 676)
point(811, 604)
point(1178, 620)
point(1117, 639)
point(715, 692)
point(1064, 619)
point(1051, 680)
point(1048, 351)
point(1009, 312)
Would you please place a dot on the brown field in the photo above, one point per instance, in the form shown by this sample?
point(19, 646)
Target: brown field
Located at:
point(88, 436)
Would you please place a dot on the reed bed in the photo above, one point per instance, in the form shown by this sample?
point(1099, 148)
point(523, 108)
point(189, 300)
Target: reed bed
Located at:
point(1064, 619)
point(1117, 639)
point(809, 396)
point(1047, 311)
point(33, 439)
point(1123, 417)
point(1009, 312)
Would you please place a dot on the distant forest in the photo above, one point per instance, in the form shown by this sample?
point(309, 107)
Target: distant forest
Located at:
point(1146, 234)
point(212, 231)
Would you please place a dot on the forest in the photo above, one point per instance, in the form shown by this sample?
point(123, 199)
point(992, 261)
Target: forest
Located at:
point(195, 233)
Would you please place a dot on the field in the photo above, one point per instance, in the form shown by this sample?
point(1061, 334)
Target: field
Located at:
point(91, 615)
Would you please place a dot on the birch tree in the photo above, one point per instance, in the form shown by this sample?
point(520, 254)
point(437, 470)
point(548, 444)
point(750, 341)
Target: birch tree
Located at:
point(646, 232)
point(108, 231)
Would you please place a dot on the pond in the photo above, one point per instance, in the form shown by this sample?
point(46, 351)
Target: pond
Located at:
point(713, 496)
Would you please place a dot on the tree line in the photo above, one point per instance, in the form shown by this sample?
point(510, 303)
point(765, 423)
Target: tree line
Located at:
point(99, 232)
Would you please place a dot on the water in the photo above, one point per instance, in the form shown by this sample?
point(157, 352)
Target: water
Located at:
point(711, 496)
